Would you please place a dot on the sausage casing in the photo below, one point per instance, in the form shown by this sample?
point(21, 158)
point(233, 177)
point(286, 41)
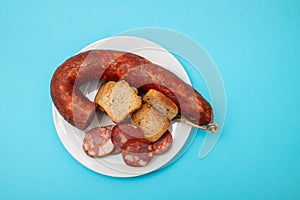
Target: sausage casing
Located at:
point(113, 66)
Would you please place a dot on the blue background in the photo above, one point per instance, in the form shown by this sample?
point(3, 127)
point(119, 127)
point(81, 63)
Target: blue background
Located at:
point(256, 46)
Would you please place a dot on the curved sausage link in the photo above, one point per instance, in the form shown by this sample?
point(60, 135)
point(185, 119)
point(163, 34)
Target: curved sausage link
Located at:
point(115, 65)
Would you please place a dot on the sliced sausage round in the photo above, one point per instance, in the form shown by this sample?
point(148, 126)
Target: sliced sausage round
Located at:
point(121, 133)
point(163, 144)
point(137, 152)
point(97, 142)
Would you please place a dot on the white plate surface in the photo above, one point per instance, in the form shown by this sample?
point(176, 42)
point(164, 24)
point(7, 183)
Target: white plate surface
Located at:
point(113, 165)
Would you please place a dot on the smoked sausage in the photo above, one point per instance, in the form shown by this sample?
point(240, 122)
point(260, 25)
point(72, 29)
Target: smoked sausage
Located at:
point(97, 142)
point(123, 132)
point(163, 144)
point(137, 152)
point(113, 66)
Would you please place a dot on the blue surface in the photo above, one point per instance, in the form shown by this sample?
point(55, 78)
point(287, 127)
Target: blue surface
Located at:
point(256, 46)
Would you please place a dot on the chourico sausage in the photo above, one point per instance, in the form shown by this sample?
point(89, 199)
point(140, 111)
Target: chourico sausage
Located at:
point(116, 65)
point(137, 152)
point(97, 142)
point(163, 144)
point(123, 132)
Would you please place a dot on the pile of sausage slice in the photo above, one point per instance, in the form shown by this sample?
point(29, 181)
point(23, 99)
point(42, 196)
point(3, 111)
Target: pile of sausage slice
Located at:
point(127, 139)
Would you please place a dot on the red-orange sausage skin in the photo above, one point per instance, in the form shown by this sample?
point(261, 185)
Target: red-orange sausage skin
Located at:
point(116, 65)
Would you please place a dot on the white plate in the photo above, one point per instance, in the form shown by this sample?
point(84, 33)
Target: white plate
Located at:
point(113, 165)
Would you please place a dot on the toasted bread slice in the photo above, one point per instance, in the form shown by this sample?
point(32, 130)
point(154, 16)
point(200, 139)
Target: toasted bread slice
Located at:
point(118, 100)
point(151, 122)
point(161, 103)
